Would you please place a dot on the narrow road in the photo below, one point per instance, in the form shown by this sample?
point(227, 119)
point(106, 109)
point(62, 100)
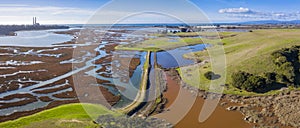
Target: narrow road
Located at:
point(142, 93)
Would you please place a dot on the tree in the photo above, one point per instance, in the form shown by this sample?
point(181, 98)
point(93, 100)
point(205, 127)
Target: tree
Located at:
point(270, 77)
point(247, 81)
point(288, 65)
point(238, 78)
point(253, 83)
point(287, 70)
point(209, 75)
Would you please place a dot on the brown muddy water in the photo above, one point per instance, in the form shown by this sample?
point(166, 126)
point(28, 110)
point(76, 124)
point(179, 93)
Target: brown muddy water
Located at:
point(182, 102)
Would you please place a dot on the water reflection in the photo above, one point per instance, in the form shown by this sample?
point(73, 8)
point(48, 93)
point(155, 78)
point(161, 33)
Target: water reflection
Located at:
point(174, 58)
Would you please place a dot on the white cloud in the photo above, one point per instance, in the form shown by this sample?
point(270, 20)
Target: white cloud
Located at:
point(246, 13)
point(235, 10)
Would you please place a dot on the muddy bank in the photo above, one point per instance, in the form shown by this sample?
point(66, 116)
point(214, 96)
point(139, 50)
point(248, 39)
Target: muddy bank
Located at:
point(57, 94)
point(124, 67)
point(281, 110)
point(23, 67)
point(89, 90)
point(177, 97)
point(26, 99)
point(69, 32)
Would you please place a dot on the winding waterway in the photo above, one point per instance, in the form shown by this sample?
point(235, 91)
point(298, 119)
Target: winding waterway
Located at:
point(167, 59)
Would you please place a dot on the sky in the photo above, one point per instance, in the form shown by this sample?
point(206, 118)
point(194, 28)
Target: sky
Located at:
point(145, 11)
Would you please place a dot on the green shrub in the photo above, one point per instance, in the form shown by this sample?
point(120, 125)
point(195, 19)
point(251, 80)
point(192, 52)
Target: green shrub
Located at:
point(209, 75)
point(238, 78)
point(247, 81)
point(270, 77)
point(287, 61)
point(254, 83)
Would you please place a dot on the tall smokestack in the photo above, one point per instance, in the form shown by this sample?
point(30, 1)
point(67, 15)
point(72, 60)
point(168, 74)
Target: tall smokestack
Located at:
point(33, 20)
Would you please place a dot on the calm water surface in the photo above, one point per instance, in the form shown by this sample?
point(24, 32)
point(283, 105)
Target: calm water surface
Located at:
point(41, 38)
point(174, 58)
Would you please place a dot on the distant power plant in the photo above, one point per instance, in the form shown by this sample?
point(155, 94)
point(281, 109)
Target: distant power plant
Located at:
point(10, 30)
point(34, 22)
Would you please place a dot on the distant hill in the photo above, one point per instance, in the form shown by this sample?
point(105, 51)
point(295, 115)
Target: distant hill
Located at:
point(270, 22)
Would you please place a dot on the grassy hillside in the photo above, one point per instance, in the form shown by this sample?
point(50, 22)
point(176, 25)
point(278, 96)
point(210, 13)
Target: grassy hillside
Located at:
point(250, 52)
point(65, 116)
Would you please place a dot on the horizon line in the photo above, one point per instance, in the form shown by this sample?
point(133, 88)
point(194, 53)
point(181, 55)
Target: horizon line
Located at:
point(224, 22)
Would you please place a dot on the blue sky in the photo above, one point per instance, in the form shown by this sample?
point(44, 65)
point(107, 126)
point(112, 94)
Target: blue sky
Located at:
point(146, 11)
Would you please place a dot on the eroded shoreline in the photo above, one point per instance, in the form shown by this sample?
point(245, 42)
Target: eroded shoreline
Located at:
point(244, 111)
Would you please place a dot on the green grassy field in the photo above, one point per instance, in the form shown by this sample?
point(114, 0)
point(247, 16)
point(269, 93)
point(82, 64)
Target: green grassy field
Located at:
point(161, 43)
point(247, 51)
point(196, 34)
point(164, 42)
point(191, 34)
point(65, 116)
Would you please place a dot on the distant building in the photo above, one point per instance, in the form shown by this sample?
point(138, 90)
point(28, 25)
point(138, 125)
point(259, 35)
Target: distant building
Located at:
point(206, 27)
point(185, 29)
point(34, 22)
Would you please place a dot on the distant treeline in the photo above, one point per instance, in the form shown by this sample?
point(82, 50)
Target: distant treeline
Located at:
point(10, 29)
